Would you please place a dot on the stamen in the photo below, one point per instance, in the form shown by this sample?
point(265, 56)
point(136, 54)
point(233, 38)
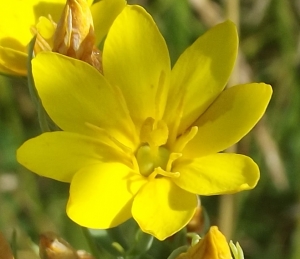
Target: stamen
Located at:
point(172, 158)
point(160, 171)
point(40, 43)
point(152, 175)
point(154, 133)
point(184, 139)
point(44, 31)
point(117, 143)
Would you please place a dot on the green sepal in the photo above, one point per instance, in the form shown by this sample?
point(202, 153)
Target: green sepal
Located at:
point(45, 121)
point(143, 243)
point(177, 252)
point(104, 243)
point(31, 87)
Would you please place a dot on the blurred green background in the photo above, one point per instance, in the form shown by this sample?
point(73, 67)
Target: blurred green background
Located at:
point(266, 220)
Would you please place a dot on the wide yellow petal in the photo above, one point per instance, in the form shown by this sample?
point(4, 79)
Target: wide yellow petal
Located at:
point(16, 20)
point(13, 62)
point(101, 195)
point(161, 208)
point(46, 7)
point(201, 73)
point(76, 95)
point(229, 118)
point(17, 17)
point(136, 59)
point(217, 174)
point(59, 155)
point(15, 25)
point(104, 13)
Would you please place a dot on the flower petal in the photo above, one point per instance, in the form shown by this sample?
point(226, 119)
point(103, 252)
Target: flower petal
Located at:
point(101, 195)
point(104, 13)
point(217, 174)
point(161, 208)
point(59, 155)
point(46, 7)
point(16, 20)
point(136, 59)
point(13, 62)
point(17, 17)
point(14, 25)
point(229, 118)
point(201, 73)
point(75, 94)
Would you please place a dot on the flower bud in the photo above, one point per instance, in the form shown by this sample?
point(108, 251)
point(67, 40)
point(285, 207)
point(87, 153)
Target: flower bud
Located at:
point(73, 35)
point(54, 247)
point(212, 246)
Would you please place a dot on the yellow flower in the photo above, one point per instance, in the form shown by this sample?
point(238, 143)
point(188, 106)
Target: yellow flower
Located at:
point(212, 246)
point(142, 140)
point(17, 18)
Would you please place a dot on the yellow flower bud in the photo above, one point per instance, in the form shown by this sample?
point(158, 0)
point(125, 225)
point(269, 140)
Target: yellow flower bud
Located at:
point(72, 36)
point(212, 246)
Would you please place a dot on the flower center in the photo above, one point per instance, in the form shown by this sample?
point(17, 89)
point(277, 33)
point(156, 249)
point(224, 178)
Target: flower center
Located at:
point(152, 153)
point(149, 158)
point(153, 157)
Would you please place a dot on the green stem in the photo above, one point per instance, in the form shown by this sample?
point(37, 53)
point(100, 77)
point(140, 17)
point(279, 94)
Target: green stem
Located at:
point(92, 245)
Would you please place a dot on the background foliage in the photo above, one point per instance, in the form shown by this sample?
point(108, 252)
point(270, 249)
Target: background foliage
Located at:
point(266, 220)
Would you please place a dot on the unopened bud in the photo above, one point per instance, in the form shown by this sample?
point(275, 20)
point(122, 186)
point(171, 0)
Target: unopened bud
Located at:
point(74, 35)
point(53, 246)
point(212, 246)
